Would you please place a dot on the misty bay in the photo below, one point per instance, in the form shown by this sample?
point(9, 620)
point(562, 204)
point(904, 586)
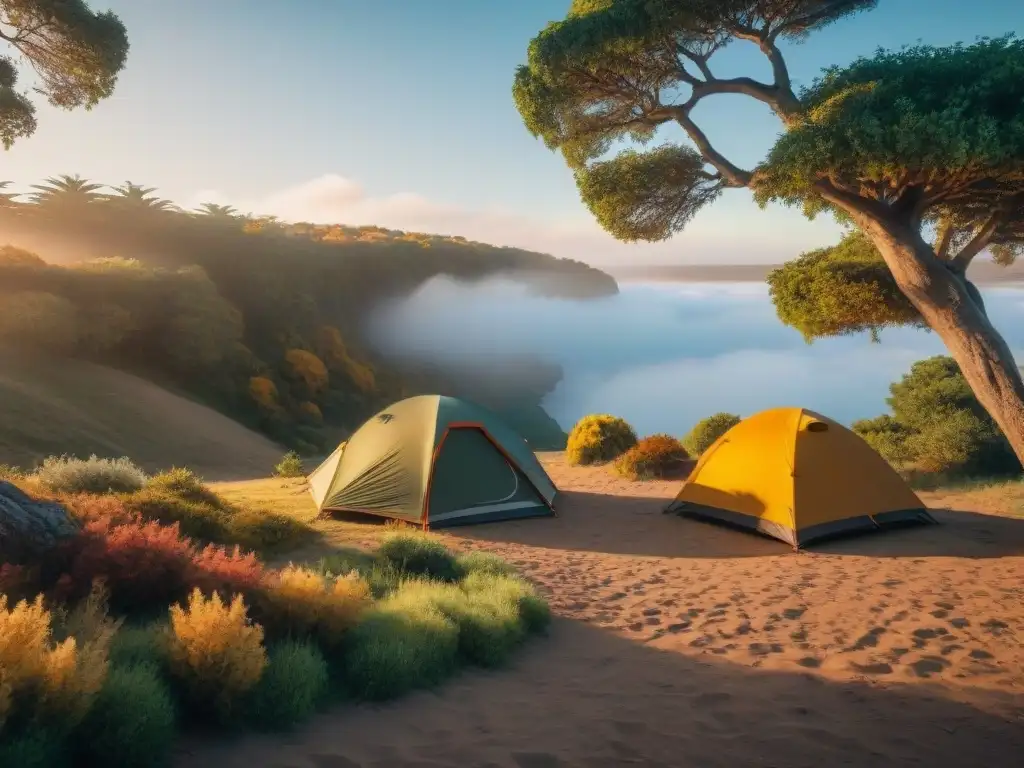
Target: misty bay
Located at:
point(664, 355)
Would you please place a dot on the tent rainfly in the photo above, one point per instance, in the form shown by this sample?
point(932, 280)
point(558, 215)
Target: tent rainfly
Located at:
point(798, 476)
point(438, 461)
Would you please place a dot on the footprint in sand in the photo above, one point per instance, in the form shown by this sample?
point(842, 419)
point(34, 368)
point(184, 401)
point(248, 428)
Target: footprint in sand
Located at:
point(794, 613)
point(875, 668)
point(868, 640)
point(926, 666)
point(810, 662)
point(980, 654)
point(959, 622)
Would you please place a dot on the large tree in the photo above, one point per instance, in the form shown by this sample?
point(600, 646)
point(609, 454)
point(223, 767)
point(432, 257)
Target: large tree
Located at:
point(75, 52)
point(921, 149)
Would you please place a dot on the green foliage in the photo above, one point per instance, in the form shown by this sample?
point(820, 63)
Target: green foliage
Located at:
point(399, 646)
point(647, 195)
point(292, 686)
point(937, 425)
point(67, 474)
point(33, 747)
point(419, 554)
point(706, 431)
point(840, 290)
point(131, 724)
point(940, 115)
point(888, 437)
point(75, 54)
point(481, 561)
point(203, 515)
point(533, 609)
point(140, 645)
point(381, 574)
point(489, 626)
point(290, 466)
point(597, 438)
point(38, 319)
point(655, 456)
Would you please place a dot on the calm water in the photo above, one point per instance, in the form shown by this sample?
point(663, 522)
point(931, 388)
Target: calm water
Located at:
point(663, 356)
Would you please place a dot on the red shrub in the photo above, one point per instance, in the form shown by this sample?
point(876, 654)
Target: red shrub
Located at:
point(228, 572)
point(143, 565)
point(91, 508)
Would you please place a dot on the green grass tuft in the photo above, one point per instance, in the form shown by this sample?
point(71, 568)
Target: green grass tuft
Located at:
point(400, 646)
point(533, 609)
point(292, 686)
point(480, 561)
point(131, 724)
point(419, 554)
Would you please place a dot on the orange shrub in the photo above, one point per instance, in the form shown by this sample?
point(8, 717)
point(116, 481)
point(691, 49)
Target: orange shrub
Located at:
point(655, 456)
point(307, 368)
point(214, 651)
point(300, 601)
point(57, 679)
point(264, 392)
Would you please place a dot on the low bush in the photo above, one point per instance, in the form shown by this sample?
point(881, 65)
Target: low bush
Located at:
point(204, 516)
point(292, 686)
point(533, 609)
point(382, 576)
point(480, 561)
point(131, 723)
point(598, 438)
point(418, 554)
point(226, 571)
point(52, 666)
point(265, 531)
point(67, 474)
point(399, 646)
point(706, 431)
point(488, 621)
point(656, 456)
point(183, 483)
point(300, 601)
point(290, 466)
point(141, 645)
point(215, 654)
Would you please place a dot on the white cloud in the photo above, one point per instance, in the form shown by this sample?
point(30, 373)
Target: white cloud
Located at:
point(713, 237)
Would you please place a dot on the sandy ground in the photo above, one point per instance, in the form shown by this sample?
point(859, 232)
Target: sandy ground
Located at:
point(682, 644)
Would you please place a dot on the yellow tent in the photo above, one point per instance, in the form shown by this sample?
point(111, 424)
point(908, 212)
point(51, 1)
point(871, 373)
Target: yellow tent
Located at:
point(798, 476)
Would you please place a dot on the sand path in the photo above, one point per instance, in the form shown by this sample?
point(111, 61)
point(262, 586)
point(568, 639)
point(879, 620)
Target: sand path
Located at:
point(683, 644)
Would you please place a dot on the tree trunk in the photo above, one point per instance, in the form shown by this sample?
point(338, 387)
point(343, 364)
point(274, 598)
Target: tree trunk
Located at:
point(946, 302)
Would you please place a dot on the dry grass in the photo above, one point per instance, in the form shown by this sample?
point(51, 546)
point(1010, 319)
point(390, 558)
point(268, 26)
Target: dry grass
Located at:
point(1001, 498)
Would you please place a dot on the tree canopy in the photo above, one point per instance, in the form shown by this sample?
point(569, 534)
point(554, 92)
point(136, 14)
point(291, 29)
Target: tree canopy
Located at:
point(75, 53)
point(931, 132)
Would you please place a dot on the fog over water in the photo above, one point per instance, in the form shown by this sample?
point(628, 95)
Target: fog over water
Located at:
point(665, 355)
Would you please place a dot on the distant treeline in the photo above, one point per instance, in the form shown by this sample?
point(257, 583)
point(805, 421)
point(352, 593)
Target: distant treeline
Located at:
point(257, 317)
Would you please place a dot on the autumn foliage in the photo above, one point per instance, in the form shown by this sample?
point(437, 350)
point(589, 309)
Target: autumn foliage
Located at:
point(655, 456)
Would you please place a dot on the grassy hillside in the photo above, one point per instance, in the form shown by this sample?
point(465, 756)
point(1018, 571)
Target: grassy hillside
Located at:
point(256, 318)
point(72, 406)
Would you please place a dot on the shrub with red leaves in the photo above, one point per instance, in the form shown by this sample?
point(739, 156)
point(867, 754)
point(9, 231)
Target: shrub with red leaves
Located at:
point(655, 456)
point(143, 565)
point(215, 569)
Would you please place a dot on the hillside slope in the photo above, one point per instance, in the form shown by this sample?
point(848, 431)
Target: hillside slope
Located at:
point(70, 406)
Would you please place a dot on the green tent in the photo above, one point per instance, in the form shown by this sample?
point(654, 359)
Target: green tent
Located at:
point(438, 461)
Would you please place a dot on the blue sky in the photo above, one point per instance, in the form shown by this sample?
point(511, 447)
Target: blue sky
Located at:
point(399, 112)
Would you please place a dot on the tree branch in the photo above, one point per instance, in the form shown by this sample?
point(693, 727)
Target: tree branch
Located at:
point(782, 98)
point(978, 243)
point(945, 237)
point(732, 175)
